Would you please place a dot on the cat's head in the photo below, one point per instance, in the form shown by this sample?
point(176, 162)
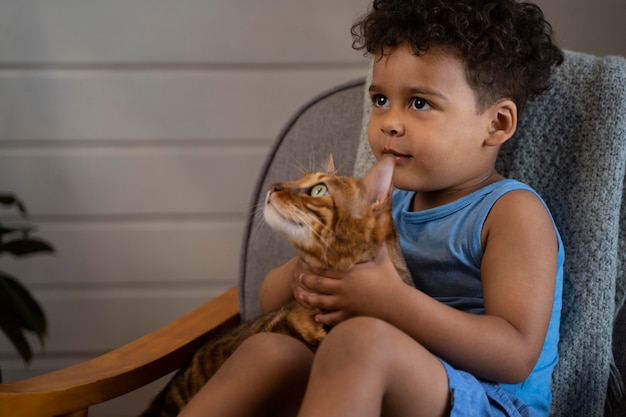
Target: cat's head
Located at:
point(334, 221)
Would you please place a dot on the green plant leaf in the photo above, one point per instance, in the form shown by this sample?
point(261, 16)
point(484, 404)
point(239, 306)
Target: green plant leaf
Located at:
point(20, 306)
point(26, 246)
point(15, 335)
point(8, 199)
point(19, 311)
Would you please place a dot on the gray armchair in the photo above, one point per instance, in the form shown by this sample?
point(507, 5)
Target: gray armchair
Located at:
point(570, 146)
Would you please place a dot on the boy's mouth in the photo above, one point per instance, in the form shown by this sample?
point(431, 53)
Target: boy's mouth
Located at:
point(397, 155)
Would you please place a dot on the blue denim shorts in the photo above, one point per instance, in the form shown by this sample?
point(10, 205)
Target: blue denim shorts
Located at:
point(472, 397)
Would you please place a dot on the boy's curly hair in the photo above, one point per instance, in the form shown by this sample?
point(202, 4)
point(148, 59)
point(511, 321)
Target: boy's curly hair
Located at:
point(506, 47)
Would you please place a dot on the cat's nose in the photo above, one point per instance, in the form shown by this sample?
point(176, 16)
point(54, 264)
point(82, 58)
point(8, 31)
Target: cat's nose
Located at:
point(276, 188)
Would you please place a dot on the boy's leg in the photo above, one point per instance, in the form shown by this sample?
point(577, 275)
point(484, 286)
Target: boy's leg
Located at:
point(366, 367)
point(266, 372)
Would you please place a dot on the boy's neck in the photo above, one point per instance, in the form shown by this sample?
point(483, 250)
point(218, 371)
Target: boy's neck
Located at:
point(432, 199)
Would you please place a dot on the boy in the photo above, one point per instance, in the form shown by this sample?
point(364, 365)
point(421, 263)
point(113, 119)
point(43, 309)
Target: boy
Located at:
point(478, 334)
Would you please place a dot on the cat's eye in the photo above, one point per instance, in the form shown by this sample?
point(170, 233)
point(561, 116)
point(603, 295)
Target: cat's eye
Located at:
point(319, 190)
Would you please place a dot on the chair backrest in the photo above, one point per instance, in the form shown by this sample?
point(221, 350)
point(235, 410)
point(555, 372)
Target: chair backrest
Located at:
point(329, 123)
point(571, 147)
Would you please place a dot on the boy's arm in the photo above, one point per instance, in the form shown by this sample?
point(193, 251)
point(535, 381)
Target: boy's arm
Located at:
point(518, 274)
point(277, 287)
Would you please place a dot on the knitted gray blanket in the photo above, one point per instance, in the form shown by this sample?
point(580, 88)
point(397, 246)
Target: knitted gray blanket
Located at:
point(570, 146)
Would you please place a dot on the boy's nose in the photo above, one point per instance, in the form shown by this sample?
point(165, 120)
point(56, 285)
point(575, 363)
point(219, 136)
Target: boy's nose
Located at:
point(392, 124)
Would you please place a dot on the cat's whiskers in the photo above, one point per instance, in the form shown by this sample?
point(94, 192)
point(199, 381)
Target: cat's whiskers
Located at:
point(258, 219)
point(299, 165)
point(257, 210)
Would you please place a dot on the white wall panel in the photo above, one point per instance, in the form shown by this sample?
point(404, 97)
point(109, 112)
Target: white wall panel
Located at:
point(147, 253)
point(215, 31)
point(157, 104)
point(135, 180)
point(594, 27)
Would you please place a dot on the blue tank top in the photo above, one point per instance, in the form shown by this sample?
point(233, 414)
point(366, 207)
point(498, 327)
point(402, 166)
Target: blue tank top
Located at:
point(443, 252)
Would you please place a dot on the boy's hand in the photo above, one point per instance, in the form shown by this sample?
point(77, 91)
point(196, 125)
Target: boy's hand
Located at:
point(300, 268)
point(367, 289)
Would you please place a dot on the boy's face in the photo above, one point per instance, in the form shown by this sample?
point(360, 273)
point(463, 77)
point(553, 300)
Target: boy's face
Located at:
point(425, 113)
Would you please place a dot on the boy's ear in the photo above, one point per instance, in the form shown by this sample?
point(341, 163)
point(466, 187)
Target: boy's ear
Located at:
point(503, 122)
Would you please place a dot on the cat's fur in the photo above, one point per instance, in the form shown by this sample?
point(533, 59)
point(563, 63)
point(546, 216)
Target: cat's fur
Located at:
point(334, 222)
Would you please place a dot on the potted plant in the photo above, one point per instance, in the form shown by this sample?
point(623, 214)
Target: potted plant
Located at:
point(20, 313)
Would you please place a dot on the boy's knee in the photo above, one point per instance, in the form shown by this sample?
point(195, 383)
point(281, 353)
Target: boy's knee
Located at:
point(277, 349)
point(368, 332)
point(364, 342)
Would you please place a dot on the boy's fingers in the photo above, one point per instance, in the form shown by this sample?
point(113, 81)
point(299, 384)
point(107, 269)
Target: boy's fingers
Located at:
point(318, 301)
point(331, 318)
point(316, 283)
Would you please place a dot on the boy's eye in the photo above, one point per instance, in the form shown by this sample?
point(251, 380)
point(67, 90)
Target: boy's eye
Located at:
point(419, 104)
point(380, 100)
point(318, 190)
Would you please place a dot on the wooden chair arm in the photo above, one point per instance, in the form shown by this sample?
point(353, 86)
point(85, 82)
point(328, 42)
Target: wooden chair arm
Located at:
point(70, 390)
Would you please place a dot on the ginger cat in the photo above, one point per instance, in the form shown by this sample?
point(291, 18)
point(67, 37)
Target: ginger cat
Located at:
point(333, 222)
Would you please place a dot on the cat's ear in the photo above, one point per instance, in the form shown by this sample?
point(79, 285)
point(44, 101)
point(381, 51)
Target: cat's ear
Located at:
point(330, 164)
point(378, 180)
